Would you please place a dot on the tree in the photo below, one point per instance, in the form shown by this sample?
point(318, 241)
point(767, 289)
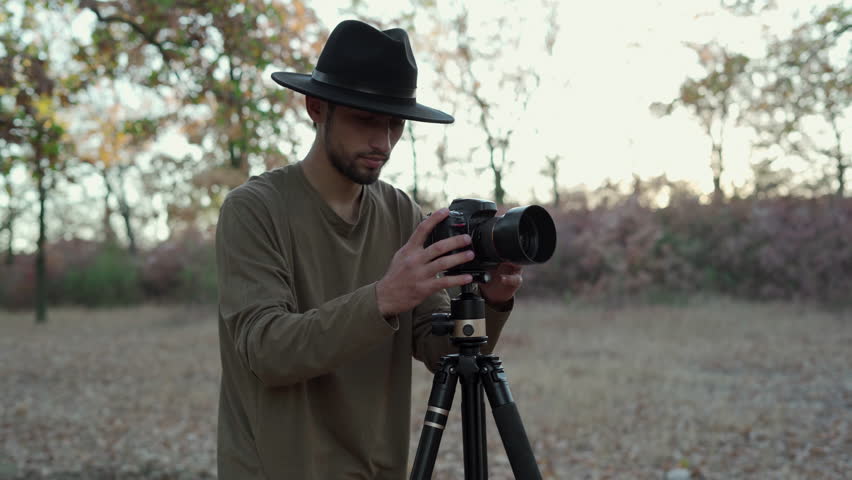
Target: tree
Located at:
point(35, 87)
point(111, 143)
point(551, 171)
point(212, 59)
point(8, 223)
point(488, 51)
point(803, 94)
point(768, 180)
point(747, 7)
point(713, 99)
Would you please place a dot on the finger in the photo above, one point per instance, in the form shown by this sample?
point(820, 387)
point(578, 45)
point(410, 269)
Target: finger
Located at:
point(449, 281)
point(447, 245)
point(511, 280)
point(509, 268)
point(421, 233)
point(442, 264)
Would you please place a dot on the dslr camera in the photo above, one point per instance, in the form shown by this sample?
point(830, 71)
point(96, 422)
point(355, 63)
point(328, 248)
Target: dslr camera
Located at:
point(523, 236)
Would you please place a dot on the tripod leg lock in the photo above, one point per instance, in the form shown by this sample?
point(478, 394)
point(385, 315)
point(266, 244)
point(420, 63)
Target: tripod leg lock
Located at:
point(443, 391)
point(494, 381)
point(437, 413)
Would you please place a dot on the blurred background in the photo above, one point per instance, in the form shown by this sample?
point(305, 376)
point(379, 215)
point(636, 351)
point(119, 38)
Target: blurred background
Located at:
point(688, 150)
point(685, 146)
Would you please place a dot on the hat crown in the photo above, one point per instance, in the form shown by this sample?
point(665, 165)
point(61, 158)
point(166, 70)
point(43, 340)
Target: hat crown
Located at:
point(362, 56)
point(368, 69)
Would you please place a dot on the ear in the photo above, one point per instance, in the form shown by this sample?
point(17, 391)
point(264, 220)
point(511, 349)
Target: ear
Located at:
point(317, 109)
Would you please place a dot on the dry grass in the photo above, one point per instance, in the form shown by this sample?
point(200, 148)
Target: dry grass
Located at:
point(726, 389)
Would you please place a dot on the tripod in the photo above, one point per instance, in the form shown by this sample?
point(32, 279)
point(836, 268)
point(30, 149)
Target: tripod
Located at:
point(476, 373)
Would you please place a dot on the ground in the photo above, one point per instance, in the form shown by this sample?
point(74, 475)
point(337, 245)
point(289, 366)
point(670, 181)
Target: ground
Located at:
point(723, 389)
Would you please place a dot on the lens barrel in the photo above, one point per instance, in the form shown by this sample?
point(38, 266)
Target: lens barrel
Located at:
point(524, 236)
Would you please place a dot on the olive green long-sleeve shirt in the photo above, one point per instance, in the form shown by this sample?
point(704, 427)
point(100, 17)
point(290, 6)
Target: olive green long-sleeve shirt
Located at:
point(316, 384)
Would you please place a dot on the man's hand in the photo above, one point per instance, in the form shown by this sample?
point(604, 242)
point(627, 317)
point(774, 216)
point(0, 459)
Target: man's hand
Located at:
point(413, 272)
point(506, 279)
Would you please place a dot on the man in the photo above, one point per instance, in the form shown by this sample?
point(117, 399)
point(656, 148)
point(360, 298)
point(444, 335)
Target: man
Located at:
point(325, 287)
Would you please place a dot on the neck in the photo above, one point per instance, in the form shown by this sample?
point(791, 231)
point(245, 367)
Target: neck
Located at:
point(342, 194)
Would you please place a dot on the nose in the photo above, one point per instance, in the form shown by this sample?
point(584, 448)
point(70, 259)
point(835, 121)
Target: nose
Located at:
point(380, 138)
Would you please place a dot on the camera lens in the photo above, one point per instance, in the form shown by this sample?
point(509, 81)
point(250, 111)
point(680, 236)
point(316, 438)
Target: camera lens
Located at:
point(528, 233)
point(524, 235)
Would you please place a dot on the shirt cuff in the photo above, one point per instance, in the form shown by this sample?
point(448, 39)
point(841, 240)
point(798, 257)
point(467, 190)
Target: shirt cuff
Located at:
point(393, 321)
point(502, 307)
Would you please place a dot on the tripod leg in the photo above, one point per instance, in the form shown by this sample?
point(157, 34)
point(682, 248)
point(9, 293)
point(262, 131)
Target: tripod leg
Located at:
point(440, 402)
point(473, 420)
point(508, 420)
point(483, 454)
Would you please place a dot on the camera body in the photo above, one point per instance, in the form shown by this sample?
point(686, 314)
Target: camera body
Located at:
point(524, 235)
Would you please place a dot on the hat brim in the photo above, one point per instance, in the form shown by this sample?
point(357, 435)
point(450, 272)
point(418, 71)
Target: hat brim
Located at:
point(409, 110)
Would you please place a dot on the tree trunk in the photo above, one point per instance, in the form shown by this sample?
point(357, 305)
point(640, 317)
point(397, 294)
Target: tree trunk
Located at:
point(553, 173)
point(415, 192)
point(498, 175)
point(10, 223)
point(124, 208)
point(556, 199)
point(10, 226)
point(109, 233)
point(499, 193)
point(838, 156)
point(41, 255)
point(716, 166)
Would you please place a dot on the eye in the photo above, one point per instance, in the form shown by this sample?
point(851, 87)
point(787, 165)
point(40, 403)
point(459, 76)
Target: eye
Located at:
point(397, 122)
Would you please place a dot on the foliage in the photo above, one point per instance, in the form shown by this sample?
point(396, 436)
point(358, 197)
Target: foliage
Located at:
point(111, 277)
point(103, 274)
point(713, 99)
point(621, 248)
point(35, 88)
point(182, 268)
point(478, 62)
point(210, 57)
point(776, 248)
point(204, 67)
point(803, 90)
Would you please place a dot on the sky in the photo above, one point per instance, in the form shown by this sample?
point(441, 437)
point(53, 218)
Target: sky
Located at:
point(610, 62)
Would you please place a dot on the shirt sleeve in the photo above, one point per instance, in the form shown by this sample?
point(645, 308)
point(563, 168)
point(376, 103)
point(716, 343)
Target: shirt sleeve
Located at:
point(257, 307)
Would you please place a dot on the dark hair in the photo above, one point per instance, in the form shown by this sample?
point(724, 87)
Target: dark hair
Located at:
point(331, 107)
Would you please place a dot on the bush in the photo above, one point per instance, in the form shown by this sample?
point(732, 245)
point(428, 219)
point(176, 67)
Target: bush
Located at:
point(198, 276)
point(620, 248)
point(110, 278)
point(182, 268)
point(17, 283)
point(778, 249)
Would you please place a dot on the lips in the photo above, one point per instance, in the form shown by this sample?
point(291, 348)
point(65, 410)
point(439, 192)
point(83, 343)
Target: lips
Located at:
point(373, 162)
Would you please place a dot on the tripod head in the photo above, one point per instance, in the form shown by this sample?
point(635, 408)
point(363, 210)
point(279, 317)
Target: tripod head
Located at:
point(466, 321)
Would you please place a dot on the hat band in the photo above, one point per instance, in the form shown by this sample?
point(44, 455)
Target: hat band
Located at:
point(385, 92)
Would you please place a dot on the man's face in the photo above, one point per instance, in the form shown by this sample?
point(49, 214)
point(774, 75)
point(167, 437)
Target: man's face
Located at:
point(359, 143)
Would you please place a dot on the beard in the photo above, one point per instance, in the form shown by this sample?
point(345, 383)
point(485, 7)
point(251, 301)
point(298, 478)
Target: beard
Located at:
point(348, 165)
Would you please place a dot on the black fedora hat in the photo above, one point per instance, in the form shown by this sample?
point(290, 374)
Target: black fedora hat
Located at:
point(368, 69)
